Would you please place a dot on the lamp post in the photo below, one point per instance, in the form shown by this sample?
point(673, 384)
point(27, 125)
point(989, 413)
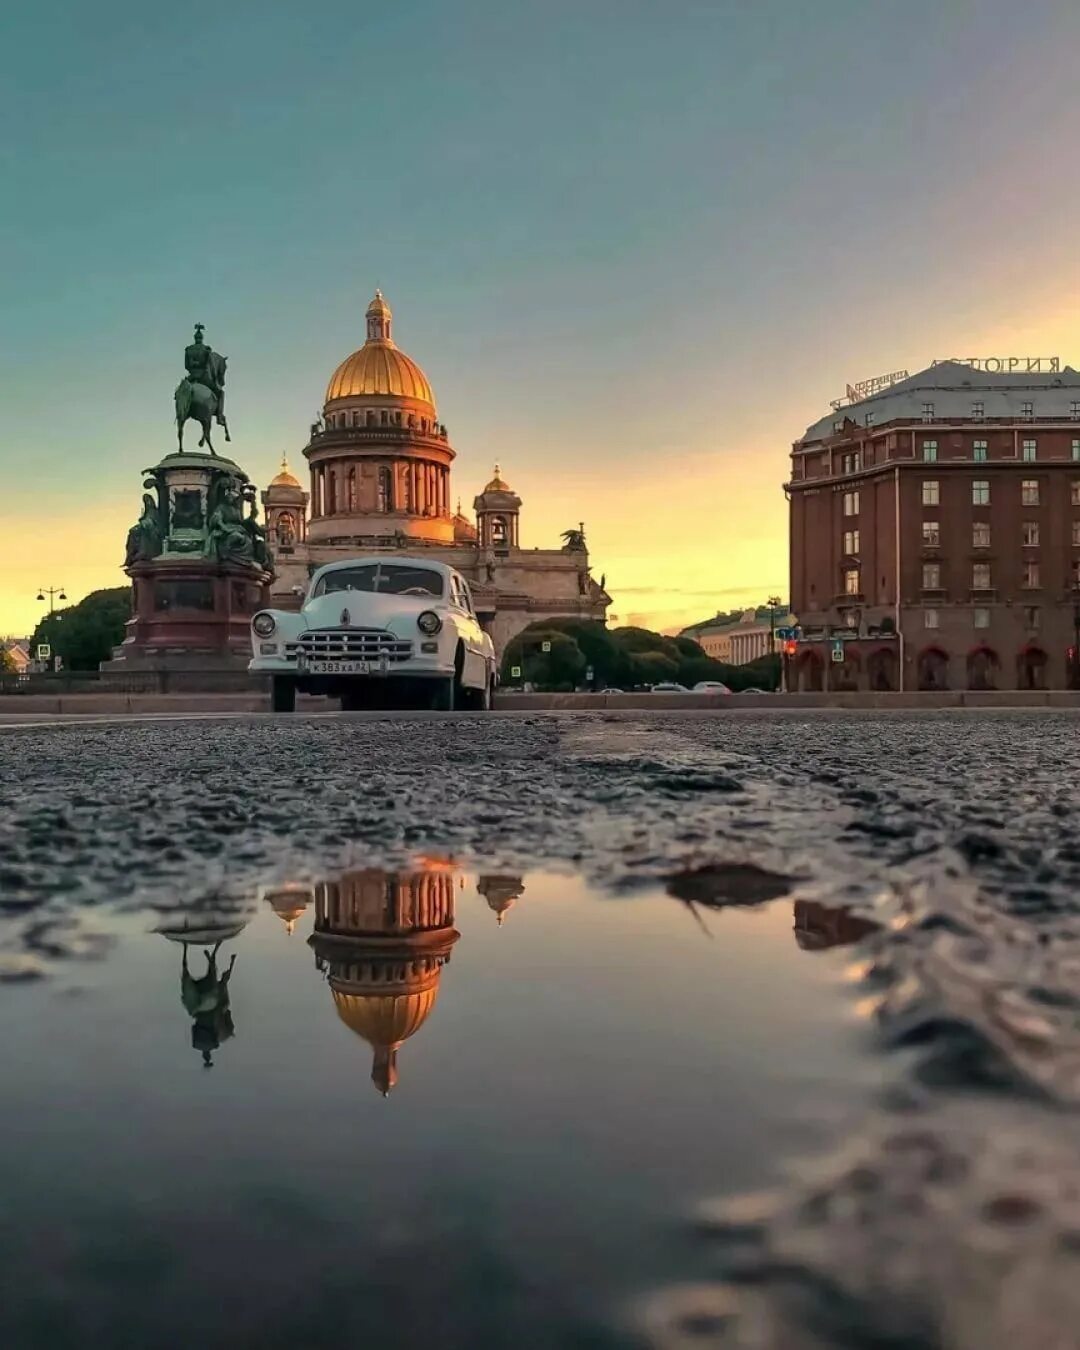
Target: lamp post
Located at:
point(774, 603)
point(54, 593)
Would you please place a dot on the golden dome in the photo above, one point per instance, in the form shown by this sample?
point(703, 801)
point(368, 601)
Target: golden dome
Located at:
point(284, 478)
point(379, 368)
point(385, 1019)
point(497, 484)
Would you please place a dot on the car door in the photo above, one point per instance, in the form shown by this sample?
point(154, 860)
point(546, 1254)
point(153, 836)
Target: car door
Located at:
point(475, 672)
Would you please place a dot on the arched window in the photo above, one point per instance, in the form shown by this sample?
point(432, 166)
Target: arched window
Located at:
point(356, 417)
point(406, 489)
point(286, 529)
point(383, 417)
point(370, 419)
point(354, 500)
point(386, 489)
point(498, 530)
point(331, 493)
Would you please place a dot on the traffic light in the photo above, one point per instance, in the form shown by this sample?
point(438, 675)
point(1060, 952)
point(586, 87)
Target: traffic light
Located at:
point(790, 647)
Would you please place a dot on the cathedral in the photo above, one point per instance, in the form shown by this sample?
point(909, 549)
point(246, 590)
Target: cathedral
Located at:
point(379, 461)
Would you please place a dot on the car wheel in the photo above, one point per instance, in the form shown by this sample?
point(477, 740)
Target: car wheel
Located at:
point(282, 694)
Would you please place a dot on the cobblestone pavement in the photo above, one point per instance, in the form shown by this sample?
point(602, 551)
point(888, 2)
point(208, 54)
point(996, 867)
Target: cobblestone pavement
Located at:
point(952, 1219)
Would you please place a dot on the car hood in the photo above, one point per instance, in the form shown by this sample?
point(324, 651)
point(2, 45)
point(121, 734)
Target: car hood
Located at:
point(367, 610)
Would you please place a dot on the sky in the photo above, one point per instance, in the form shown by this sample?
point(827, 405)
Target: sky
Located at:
point(636, 245)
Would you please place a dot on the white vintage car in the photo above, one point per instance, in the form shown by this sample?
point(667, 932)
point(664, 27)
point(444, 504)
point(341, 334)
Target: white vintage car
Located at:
point(376, 626)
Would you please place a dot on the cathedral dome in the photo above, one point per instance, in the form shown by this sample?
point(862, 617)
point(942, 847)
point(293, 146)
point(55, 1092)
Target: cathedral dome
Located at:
point(284, 485)
point(379, 368)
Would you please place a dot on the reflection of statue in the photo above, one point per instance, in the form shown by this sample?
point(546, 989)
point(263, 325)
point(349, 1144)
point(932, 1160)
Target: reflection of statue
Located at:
point(200, 395)
point(489, 564)
point(144, 539)
point(207, 1003)
point(574, 540)
point(227, 538)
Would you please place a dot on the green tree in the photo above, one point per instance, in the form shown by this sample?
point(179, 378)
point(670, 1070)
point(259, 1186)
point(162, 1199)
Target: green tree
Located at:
point(7, 663)
point(561, 668)
point(84, 635)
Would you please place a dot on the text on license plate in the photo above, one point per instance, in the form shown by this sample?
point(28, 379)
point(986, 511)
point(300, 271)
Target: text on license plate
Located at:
point(337, 667)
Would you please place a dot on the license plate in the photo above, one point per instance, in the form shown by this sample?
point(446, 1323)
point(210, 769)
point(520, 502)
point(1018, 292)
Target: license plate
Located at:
point(337, 667)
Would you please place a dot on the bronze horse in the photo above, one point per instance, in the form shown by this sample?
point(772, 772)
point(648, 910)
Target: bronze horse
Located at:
point(201, 403)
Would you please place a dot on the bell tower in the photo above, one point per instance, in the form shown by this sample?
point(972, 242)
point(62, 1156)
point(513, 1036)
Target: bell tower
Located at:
point(498, 510)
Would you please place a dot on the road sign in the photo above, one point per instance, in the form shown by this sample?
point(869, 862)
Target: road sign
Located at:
point(545, 646)
point(44, 651)
point(590, 674)
point(515, 672)
point(838, 650)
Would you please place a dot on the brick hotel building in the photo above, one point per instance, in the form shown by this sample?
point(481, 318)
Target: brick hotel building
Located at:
point(935, 533)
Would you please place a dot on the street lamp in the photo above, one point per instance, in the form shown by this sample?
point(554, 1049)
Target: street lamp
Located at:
point(774, 603)
point(54, 593)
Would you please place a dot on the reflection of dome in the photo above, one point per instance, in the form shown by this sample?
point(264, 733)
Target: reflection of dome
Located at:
point(818, 927)
point(500, 892)
point(289, 902)
point(378, 367)
point(383, 939)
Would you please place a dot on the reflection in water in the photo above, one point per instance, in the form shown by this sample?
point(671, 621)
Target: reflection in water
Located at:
point(206, 999)
point(289, 902)
point(818, 927)
point(382, 939)
point(500, 892)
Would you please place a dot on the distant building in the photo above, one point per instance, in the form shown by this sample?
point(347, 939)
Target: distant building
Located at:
point(18, 649)
point(379, 464)
point(935, 532)
point(736, 642)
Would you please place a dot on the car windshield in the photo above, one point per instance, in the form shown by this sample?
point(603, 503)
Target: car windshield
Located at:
point(382, 578)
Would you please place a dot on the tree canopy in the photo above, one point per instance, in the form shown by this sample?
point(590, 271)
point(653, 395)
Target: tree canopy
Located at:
point(622, 658)
point(84, 635)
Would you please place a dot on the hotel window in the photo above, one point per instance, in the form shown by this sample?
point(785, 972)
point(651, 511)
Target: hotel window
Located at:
point(980, 576)
point(1027, 410)
point(1027, 452)
point(929, 452)
point(1029, 492)
point(981, 618)
point(931, 576)
point(1076, 449)
point(1030, 580)
point(931, 534)
point(977, 411)
point(1074, 493)
point(1074, 411)
point(980, 492)
point(838, 426)
point(851, 503)
point(930, 494)
point(980, 534)
point(870, 419)
point(978, 451)
point(851, 542)
point(1029, 533)
point(927, 412)
point(1076, 533)
point(1031, 616)
point(930, 618)
point(851, 581)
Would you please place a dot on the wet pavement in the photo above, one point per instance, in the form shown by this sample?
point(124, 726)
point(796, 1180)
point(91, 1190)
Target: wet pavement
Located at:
point(777, 1043)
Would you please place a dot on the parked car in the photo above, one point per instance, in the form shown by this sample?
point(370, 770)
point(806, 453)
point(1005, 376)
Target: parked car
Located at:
point(669, 687)
point(373, 625)
point(710, 687)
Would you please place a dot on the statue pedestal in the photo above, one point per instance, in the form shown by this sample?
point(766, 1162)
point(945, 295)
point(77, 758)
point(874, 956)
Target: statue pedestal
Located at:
point(195, 584)
point(190, 614)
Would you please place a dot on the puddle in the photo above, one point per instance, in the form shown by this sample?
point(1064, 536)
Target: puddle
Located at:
point(432, 1106)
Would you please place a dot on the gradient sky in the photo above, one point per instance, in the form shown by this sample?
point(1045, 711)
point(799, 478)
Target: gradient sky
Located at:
point(636, 246)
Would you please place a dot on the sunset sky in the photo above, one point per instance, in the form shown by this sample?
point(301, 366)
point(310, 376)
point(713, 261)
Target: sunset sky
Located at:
point(636, 246)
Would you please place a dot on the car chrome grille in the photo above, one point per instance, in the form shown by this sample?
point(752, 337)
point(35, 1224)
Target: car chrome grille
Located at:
point(350, 644)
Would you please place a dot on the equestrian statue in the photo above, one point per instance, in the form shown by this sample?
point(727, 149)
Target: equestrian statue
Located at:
point(200, 395)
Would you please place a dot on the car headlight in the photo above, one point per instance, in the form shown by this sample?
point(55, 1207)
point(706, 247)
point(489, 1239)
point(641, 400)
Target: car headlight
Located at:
point(428, 622)
point(264, 624)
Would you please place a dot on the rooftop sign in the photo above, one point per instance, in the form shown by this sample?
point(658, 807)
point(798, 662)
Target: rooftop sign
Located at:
point(1045, 365)
point(865, 388)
